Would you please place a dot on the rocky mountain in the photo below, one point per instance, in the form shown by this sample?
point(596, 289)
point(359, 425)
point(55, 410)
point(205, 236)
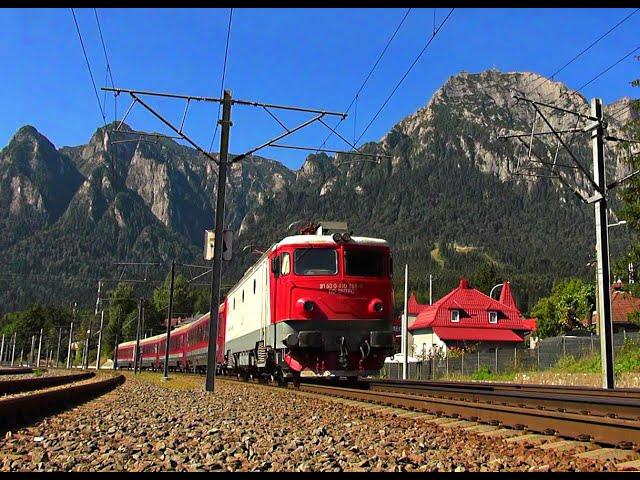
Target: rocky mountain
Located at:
point(445, 196)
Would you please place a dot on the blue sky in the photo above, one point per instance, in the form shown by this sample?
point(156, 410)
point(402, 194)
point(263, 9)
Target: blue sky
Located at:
point(307, 57)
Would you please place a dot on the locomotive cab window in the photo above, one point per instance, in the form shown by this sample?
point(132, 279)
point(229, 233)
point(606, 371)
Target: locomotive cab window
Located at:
point(315, 261)
point(285, 266)
point(364, 262)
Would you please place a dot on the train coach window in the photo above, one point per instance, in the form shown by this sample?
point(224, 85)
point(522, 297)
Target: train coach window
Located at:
point(364, 263)
point(315, 261)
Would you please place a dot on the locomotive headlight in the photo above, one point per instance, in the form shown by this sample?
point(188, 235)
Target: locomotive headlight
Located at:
point(305, 307)
point(376, 306)
point(346, 237)
point(337, 237)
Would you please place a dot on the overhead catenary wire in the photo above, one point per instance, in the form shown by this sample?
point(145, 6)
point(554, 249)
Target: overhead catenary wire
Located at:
point(224, 72)
point(355, 97)
point(424, 49)
point(109, 71)
point(582, 52)
point(86, 58)
point(608, 68)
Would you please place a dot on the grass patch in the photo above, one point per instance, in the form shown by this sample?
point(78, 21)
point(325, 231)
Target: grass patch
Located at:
point(484, 375)
point(627, 360)
point(176, 381)
point(37, 372)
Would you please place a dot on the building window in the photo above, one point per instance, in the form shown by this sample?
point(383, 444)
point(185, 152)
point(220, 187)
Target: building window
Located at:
point(455, 316)
point(493, 317)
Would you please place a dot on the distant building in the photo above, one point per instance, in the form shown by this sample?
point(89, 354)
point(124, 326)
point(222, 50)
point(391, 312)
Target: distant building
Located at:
point(623, 303)
point(466, 316)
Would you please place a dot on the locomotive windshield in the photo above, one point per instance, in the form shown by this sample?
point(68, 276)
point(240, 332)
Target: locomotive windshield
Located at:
point(364, 262)
point(315, 261)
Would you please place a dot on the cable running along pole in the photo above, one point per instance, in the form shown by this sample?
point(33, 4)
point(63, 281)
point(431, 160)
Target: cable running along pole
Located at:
point(225, 123)
point(169, 315)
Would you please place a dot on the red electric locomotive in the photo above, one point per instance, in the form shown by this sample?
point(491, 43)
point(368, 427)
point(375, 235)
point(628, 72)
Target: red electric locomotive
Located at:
point(319, 301)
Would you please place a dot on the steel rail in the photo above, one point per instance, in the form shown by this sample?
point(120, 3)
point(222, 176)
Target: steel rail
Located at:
point(502, 386)
point(586, 405)
point(36, 383)
point(604, 430)
point(15, 370)
point(23, 410)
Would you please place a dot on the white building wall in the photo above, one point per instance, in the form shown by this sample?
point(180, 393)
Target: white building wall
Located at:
point(253, 313)
point(424, 342)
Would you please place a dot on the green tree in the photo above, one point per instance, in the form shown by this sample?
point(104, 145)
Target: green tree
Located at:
point(122, 307)
point(184, 297)
point(486, 277)
point(570, 302)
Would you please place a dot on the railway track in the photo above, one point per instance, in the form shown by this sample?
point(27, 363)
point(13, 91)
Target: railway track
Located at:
point(15, 370)
point(600, 416)
point(28, 384)
point(24, 405)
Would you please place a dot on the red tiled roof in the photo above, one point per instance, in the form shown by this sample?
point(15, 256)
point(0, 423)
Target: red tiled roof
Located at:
point(531, 323)
point(477, 334)
point(506, 297)
point(622, 304)
point(474, 309)
point(413, 307)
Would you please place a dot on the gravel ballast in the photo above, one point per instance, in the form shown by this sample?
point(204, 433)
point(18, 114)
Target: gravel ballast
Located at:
point(148, 425)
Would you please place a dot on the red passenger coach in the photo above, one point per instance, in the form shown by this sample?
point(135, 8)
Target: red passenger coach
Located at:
point(319, 302)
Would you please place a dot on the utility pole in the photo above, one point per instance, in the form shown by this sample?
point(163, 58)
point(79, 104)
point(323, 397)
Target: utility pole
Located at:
point(115, 350)
point(98, 300)
point(169, 315)
point(73, 319)
point(13, 351)
point(2, 350)
point(33, 346)
point(137, 351)
point(602, 248)
point(99, 340)
point(70, 339)
point(225, 124)
point(597, 128)
point(223, 162)
point(405, 325)
point(58, 349)
point(39, 349)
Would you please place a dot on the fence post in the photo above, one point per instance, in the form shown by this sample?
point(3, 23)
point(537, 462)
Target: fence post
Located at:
point(515, 358)
point(592, 344)
point(478, 366)
point(538, 354)
point(564, 347)
point(496, 359)
point(624, 335)
point(447, 364)
point(462, 366)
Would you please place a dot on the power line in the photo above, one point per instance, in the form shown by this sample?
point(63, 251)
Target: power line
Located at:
point(109, 72)
point(224, 71)
point(584, 50)
point(406, 73)
point(608, 68)
point(84, 51)
point(355, 98)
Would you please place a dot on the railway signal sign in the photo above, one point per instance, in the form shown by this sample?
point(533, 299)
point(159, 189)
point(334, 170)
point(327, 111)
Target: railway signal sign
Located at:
point(227, 242)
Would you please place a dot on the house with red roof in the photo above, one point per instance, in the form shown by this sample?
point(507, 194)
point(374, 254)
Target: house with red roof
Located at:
point(623, 303)
point(466, 316)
